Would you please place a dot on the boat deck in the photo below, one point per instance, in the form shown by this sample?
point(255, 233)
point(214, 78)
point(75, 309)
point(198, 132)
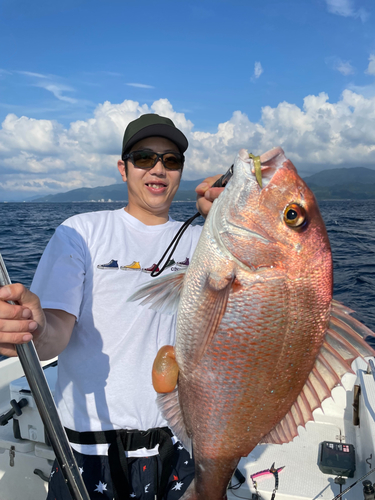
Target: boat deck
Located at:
point(301, 479)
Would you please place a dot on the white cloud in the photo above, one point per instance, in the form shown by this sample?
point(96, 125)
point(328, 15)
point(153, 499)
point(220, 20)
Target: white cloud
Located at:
point(35, 75)
point(44, 157)
point(371, 67)
point(258, 70)
point(344, 67)
point(340, 7)
point(53, 84)
point(57, 90)
point(28, 135)
point(346, 8)
point(140, 85)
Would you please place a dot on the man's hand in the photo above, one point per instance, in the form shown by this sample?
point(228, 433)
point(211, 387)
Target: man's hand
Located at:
point(19, 323)
point(50, 329)
point(206, 194)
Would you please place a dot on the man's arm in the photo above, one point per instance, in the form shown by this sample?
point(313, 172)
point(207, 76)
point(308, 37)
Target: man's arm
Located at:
point(50, 329)
point(56, 335)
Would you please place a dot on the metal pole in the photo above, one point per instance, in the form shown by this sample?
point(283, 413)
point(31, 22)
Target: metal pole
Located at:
point(47, 410)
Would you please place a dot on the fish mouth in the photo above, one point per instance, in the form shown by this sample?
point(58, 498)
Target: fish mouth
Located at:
point(269, 163)
point(226, 226)
point(263, 167)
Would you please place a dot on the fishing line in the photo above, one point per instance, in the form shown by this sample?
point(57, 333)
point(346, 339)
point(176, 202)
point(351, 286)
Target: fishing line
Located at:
point(222, 182)
point(173, 243)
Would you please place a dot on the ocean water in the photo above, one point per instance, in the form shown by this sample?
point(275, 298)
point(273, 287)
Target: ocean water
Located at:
point(25, 229)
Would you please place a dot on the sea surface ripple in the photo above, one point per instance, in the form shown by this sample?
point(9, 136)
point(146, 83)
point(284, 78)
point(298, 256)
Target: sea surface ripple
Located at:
point(26, 228)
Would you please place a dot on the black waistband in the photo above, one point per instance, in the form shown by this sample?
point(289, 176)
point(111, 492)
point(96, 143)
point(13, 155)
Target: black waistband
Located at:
point(121, 440)
point(131, 439)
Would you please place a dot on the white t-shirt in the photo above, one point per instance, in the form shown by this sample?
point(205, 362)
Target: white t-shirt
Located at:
point(104, 374)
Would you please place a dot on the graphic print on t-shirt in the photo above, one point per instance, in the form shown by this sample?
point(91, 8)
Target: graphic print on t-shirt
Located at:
point(181, 265)
point(136, 266)
point(112, 264)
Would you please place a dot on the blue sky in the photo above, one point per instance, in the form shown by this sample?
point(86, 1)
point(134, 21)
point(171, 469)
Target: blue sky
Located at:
point(300, 74)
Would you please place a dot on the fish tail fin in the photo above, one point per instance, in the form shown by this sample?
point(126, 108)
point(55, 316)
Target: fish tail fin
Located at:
point(344, 342)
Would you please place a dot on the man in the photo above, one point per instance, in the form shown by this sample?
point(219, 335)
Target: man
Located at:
point(78, 309)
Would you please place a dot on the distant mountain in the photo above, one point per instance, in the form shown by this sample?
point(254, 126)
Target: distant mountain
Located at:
point(345, 192)
point(337, 183)
point(343, 183)
point(114, 192)
point(336, 176)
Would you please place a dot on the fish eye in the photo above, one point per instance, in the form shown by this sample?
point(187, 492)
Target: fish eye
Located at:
point(294, 215)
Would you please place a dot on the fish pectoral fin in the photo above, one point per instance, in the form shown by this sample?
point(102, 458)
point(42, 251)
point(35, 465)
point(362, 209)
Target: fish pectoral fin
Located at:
point(344, 342)
point(213, 306)
point(163, 294)
point(169, 406)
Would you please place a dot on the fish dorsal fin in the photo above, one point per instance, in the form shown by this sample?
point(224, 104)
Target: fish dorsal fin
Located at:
point(163, 294)
point(169, 407)
point(343, 343)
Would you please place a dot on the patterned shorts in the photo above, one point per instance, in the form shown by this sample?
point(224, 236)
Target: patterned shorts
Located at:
point(143, 473)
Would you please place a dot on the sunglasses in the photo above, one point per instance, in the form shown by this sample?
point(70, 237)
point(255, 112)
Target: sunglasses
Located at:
point(148, 159)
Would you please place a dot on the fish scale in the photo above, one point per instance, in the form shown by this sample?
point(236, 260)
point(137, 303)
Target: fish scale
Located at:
point(259, 342)
point(228, 355)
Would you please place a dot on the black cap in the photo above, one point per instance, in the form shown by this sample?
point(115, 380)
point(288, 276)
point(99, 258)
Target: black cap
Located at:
point(153, 125)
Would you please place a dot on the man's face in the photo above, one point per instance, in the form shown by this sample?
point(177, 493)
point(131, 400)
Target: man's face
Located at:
point(151, 190)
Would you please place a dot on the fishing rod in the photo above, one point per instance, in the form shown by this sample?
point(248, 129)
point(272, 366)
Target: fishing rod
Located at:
point(366, 486)
point(47, 409)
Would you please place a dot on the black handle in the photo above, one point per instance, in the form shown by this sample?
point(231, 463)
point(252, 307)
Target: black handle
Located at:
point(16, 409)
point(223, 181)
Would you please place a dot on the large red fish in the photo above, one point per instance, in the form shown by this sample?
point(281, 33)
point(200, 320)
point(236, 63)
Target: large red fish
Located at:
point(259, 344)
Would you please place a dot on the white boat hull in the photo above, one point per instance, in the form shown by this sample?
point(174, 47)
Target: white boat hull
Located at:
point(301, 479)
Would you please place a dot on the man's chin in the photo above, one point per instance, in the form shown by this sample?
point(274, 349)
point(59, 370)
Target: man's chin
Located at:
point(158, 206)
point(162, 201)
